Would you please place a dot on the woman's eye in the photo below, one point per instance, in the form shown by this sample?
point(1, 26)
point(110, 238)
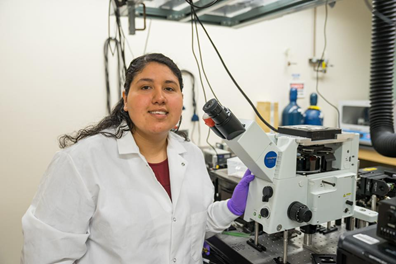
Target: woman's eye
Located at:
point(169, 89)
point(146, 87)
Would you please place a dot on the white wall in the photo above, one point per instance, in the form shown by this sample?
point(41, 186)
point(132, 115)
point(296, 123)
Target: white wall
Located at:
point(52, 78)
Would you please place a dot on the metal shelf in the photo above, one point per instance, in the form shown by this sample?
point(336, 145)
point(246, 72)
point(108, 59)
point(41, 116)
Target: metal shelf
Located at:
point(229, 13)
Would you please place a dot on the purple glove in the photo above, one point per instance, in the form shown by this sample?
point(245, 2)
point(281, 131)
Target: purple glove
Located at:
point(206, 249)
point(237, 203)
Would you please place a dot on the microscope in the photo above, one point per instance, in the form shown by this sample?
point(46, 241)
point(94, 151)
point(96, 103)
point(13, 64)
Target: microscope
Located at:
point(304, 175)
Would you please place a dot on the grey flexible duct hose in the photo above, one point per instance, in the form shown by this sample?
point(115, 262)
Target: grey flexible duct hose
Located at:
point(381, 79)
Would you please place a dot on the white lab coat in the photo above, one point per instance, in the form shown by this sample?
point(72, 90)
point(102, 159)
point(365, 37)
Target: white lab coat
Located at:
point(99, 202)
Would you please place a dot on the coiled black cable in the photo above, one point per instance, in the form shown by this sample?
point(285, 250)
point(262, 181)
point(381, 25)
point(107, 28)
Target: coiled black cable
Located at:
point(381, 78)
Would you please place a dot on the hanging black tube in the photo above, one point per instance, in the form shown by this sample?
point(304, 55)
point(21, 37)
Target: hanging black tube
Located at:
point(382, 133)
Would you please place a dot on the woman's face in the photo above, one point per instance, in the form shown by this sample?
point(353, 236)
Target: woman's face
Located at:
point(155, 100)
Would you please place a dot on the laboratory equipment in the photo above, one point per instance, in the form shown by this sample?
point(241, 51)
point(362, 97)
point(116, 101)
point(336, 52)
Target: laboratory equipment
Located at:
point(305, 175)
point(355, 118)
point(313, 115)
point(378, 181)
point(363, 246)
point(216, 158)
point(373, 244)
point(386, 227)
point(292, 114)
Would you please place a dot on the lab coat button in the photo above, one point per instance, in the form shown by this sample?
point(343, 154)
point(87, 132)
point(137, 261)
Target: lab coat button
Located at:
point(174, 260)
point(183, 164)
point(174, 219)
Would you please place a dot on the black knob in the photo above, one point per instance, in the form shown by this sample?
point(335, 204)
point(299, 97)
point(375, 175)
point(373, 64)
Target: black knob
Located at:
point(299, 212)
point(391, 216)
point(349, 202)
point(264, 212)
point(267, 193)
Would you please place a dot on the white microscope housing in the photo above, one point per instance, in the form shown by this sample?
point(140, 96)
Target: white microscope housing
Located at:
point(299, 180)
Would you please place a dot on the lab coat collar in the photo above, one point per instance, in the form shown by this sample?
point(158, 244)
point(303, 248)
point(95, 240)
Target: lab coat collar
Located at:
point(175, 144)
point(127, 145)
point(177, 163)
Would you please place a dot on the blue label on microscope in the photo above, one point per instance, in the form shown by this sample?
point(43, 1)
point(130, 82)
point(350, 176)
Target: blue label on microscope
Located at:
point(270, 159)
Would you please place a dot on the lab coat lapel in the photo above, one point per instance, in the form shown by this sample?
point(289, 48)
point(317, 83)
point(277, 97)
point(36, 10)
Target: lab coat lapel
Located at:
point(177, 166)
point(127, 145)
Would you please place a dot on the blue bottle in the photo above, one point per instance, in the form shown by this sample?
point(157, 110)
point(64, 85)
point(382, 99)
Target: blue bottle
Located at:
point(313, 115)
point(292, 114)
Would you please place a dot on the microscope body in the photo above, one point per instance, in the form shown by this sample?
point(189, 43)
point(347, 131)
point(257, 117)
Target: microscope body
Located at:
point(305, 175)
point(299, 181)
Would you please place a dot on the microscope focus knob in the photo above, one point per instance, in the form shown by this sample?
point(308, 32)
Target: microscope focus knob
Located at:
point(299, 212)
point(267, 193)
point(264, 212)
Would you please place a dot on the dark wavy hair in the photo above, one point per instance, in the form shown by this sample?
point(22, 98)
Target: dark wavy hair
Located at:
point(118, 114)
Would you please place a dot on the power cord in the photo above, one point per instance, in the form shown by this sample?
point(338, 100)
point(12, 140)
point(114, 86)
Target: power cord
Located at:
point(195, 56)
point(193, 13)
point(147, 38)
point(200, 7)
point(121, 36)
point(202, 65)
point(321, 59)
point(107, 47)
point(119, 48)
point(199, 71)
point(194, 118)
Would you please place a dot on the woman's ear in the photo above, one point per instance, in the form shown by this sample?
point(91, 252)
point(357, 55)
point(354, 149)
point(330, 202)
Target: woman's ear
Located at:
point(124, 96)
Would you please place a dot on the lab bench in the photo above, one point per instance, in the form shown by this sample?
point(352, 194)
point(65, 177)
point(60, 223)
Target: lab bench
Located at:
point(369, 157)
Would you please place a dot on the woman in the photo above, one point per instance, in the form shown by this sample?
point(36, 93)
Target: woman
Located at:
point(129, 190)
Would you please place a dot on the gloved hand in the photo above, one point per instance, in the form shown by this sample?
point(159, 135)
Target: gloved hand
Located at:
point(237, 203)
point(206, 249)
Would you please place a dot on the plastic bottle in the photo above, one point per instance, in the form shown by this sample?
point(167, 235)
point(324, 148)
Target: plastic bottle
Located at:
point(313, 115)
point(292, 114)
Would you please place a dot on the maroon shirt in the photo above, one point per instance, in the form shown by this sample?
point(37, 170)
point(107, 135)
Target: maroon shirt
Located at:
point(161, 171)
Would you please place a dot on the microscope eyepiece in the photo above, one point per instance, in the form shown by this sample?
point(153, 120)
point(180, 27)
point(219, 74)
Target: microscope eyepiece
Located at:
point(214, 109)
point(225, 121)
point(210, 105)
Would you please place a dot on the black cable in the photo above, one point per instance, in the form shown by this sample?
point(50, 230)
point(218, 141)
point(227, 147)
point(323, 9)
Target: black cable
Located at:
point(194, 103)
point(108, 21)
point(126, 39)
point(229, 73)
point(321, 61)
point(202, 65)
point(147, 38)
point(190, 2)
point(119, 48)
point(107, 47)
point(199, 71)
point(120, 36)
point(195, 56)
